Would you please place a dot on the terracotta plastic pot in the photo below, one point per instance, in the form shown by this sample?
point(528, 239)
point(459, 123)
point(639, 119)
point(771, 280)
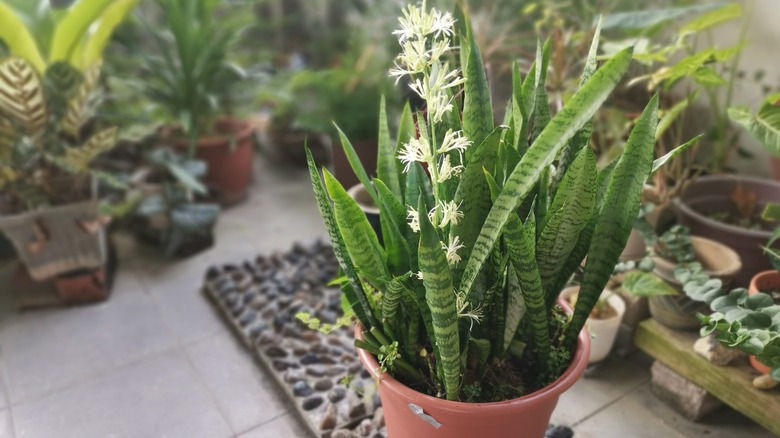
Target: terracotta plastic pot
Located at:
point(678, 311)
point(763, 281)
point(230, 159)
point(602, 331)
point(411, 414)
point(710, 194)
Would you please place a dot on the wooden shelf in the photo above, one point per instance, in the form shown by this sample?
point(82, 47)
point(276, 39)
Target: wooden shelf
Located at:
point(731, 384)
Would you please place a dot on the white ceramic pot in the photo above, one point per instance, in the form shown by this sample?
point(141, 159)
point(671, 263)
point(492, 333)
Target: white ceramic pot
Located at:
point(602, 331)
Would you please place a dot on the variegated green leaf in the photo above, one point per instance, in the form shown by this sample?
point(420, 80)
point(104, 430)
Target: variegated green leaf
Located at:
point(417, 183)
point(541, 115)
point(391, 303)
point(394, 227)
point(387, 163)
point(361, 241)
point(21, 94)
point(78, 111)
point(541, 154)
point(353, 290)
point(616, 216)
point(81, 157)
point(477, 110)
point(440, 299)
point(357, 166)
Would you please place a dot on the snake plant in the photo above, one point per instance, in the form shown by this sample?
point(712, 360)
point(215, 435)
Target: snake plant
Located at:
point(483, 224)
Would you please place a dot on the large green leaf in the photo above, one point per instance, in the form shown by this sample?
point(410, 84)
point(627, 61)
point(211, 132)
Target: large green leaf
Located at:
point(440, 299)
point(361, 240)
point(97, 39)
point(18, 39)
point(74, 26)
point(387, 163)
point(616, 216)
point(541, 154)
point(357, 166)
point(355, 293)
point(21, 94)
point(651, 18)
point(764, 126)
point(477, 110)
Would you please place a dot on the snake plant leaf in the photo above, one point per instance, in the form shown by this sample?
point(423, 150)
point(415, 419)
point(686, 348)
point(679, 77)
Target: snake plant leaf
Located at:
point(391, 304)
point(616, 217)
point(764, 126)
point(96, 40)
point(570, 212)
point(21, 94)
point(519, 117)
point(417, 183)
point(354, 292)
point(515, 309)
point(541, 154)
point(440, 299)
point(20, 42)
point(74, 25)
point(387, 164)
point(473, 193)
point(477, 110)
point(660, 161)
point(406, 130)
point(582, 138)
point(361, 241)
point(541, 114)
point(357, 166)
point(392, 219)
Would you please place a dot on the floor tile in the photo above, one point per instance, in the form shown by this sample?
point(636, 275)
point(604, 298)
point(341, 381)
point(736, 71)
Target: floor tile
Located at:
point(244, 394)
point(50, 349)
point(600, 387)
point(6, 425)
point(285, 426)
point(158, 397)
point(175, 289)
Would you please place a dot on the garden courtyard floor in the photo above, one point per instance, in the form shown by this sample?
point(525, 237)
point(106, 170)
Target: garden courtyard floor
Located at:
point(156, 360)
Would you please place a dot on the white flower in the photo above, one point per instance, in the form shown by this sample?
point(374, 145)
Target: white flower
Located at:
point(419, 275)
point(417, 23)
point(474, 314)
point(416, 149)
point(438, 104)
point(454, 141)
point(414, 219)
point(447, 170)
point(442, 78)
point(452, 250)
point(449, 213)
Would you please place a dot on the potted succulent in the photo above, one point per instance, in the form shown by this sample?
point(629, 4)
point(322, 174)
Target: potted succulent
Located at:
point(187, 73)
point(49, 89)
point(457, 314)
point(603, 322)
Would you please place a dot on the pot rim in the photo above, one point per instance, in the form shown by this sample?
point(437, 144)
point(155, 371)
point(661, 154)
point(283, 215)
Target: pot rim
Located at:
point(358, 190)
point(729, 271)
point(243, 129)
point(555, 389)
point(753, 287)
point(682, 206)
point(611, 296)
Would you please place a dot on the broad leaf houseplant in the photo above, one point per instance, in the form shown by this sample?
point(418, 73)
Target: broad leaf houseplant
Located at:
point(483, 225)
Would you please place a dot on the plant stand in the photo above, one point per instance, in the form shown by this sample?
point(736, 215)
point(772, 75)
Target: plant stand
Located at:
point(731, 384)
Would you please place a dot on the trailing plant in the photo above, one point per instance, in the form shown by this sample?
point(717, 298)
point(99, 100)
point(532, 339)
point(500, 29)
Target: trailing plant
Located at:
point(483, 225)
point(45, 154)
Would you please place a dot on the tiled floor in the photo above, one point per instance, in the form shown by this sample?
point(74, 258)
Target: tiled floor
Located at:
point(156, 361)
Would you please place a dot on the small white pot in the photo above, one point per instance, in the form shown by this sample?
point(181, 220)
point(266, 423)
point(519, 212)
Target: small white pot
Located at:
point(602, 331)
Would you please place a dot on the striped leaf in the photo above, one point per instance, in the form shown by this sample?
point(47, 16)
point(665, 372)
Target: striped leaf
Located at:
point(569, 214)
point(440, 299)
point(473, 193)
point(519, 117)
point(21, 94)
point(17, 37)
point(417, 183)
point(582, 138)
point(541, 114)
point(406, 130)
point(81, 157)
point(477, 110)
point(8, 137)
point(515, 309)
point(391, 306)
point(357, 166)
point(616, 217)
point(361, 241)
point(387, 163)
point(541, 154)
point(393, 222)
point(353, 290)
point(78, 112)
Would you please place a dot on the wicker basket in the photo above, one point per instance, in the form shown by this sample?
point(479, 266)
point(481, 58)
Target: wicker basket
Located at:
point(57, 240)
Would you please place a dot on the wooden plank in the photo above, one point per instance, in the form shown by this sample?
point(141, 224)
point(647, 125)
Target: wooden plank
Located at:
point(731, 384)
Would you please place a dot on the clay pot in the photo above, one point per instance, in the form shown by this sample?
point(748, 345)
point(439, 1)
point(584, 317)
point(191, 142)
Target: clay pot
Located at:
point(678, 311)
point(762, 281)
point(411, 414)
point(366, 151)
point(602, 331)
point(229, 157)
point(359, 193)
point(635, 248)
point(710, 194)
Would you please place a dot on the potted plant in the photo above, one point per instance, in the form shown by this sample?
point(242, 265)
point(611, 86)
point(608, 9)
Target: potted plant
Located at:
point(603, 322)
point(457, 312)
point(48, 184)
point(187, 73)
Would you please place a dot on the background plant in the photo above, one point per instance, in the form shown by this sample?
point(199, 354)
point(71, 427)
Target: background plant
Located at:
point(478, 248)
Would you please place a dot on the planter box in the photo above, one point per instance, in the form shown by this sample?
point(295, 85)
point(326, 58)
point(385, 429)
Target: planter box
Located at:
point(57, 240)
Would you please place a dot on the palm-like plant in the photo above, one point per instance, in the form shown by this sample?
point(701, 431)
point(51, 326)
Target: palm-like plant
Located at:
point(481, 229)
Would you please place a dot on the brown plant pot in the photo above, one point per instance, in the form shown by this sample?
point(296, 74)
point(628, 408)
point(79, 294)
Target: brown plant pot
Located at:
point(524, 417)
point(366, 151)
point(82, 287)
point(229, 157)
point(710, 194)
point(762, 281)
point(678, 311)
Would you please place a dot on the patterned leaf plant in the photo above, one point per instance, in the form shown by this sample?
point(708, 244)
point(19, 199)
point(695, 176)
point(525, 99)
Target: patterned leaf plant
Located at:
point(483, 225)
point(43, 158)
